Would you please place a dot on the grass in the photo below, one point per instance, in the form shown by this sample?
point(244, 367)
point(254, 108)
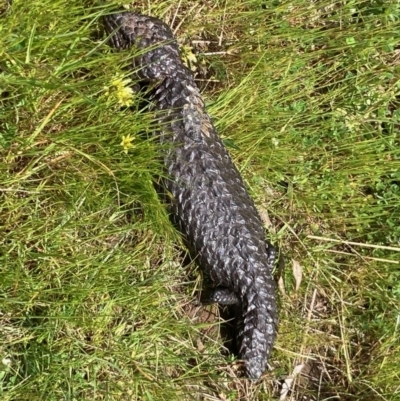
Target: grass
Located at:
point(96, 291)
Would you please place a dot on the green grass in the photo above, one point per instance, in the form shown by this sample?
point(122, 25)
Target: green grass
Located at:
point(96, 296)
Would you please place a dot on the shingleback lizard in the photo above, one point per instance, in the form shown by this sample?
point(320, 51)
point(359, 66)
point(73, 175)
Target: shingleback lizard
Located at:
point(207, 195)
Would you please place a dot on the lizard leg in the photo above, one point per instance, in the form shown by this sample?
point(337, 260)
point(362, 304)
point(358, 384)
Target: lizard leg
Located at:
point(223, 296)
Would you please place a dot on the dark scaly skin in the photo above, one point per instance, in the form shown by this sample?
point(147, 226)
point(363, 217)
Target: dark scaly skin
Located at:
point(207, 195)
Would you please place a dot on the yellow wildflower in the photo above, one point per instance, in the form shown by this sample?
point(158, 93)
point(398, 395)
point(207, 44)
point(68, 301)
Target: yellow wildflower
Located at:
point(125, 96)
point(123, 92)
point(189, 58)
point(127, 142)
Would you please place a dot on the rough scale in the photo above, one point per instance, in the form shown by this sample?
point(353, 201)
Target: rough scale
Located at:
point(207, 195)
